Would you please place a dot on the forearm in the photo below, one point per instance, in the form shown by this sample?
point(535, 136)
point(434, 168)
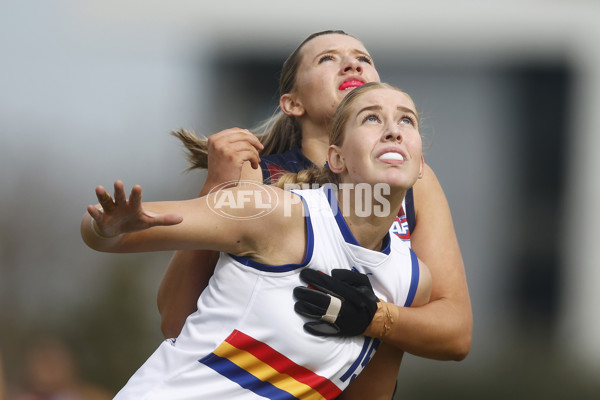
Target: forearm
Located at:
point(433, 327)
point(93, 238)
point(437, 330)
point(186, 277)
point(145, 230)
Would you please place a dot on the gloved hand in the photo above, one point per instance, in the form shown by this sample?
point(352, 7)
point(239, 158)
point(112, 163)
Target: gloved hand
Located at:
point(344, 303)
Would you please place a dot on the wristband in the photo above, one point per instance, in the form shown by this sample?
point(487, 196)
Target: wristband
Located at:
point(382, 322)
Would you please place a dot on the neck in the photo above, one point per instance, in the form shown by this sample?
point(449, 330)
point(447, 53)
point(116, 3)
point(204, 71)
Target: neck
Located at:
point(369, 214)
point(315, 142)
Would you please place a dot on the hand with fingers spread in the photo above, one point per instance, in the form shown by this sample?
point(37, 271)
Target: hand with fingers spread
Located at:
point(121, 215)
point(228, 150)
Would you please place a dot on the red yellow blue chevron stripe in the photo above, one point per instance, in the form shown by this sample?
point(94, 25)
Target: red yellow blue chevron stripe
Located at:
point(258, 367)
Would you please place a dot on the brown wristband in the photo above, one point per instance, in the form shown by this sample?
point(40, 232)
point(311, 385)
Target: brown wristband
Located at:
point(382, 321)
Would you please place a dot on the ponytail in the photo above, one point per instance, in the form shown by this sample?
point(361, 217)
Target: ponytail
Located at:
point(279, 134)
point(196, 148)
point(308, 177)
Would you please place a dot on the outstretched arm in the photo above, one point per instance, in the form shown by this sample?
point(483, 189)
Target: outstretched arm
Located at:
point(232, 155)
point(103, 226)
point(223, 221)
point(127, 225)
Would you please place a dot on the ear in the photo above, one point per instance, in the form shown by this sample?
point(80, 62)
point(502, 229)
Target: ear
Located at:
point(335, 159)
point(421, 168)
point(290, 105)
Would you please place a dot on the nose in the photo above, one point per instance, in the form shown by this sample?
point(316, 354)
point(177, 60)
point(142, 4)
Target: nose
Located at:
point(351, 64)
point(392, 133)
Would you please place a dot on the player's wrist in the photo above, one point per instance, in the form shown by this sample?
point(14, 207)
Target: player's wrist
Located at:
point(382, 321)
point(96, 231)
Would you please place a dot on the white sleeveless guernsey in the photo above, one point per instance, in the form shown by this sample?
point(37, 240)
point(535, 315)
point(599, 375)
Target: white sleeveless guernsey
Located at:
point(246, 342)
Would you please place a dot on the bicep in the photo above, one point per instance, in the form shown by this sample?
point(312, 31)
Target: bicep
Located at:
point(423, 294)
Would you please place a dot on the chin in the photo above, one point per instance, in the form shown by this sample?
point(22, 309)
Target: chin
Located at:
point(399, 182)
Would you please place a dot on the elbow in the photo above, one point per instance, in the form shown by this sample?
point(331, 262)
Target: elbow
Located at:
point(456, 350)
point(462, 350)
point(171, 321)
point(454, 345)
point(461, 346)
point(461, 336)
point(168, 325)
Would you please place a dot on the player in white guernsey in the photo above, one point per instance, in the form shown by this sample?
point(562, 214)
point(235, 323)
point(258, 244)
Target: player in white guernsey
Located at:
point(243, 343)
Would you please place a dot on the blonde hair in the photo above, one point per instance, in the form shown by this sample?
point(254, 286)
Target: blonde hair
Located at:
point(323, 175)
point(278, 134)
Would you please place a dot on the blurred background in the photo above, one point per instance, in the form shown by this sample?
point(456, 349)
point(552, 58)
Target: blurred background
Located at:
point(509, 95)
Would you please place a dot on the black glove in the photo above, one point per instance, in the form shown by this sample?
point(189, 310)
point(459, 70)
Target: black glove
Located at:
point(347, 295)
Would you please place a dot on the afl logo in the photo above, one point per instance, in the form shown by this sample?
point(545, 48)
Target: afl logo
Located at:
point(242, 200)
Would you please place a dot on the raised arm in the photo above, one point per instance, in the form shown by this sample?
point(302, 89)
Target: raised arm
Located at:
point(232, 155)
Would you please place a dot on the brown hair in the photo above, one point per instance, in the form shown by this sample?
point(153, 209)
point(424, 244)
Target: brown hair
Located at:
point(278, 134)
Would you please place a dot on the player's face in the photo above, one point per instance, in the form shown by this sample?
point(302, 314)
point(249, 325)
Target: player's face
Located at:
point(382, 143)
point(331, 66)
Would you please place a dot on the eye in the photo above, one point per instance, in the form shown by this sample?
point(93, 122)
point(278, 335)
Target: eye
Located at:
point(365, 59)
point(406, 120)
point(371, 118)
point(327, 57)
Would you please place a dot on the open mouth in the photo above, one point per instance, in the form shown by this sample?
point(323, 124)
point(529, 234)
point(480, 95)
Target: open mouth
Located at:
point(392, 156)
